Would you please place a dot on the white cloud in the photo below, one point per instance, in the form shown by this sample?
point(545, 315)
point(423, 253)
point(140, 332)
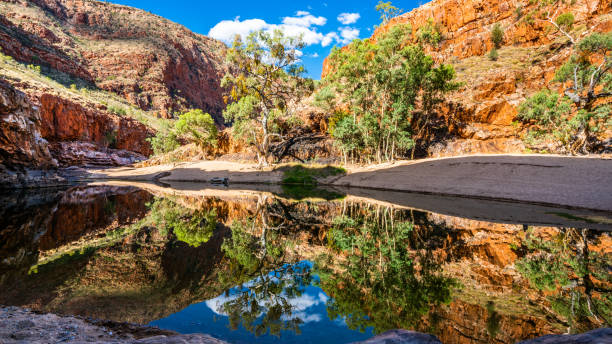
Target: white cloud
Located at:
point(304, 19)
point(226, 30)
point(300, 25)
point(329, 39)
point(315, 55)
point(348, 18)
point(348, 34)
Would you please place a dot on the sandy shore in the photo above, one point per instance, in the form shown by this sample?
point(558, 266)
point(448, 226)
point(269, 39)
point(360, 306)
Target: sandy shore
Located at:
point(551, 180)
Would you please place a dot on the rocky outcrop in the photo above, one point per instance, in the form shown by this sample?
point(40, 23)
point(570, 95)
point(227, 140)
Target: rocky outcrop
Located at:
point(65, 120)
point(481, 116)
point(21, 142)
point(153, 63)
point(24, 326)
point(44, 131)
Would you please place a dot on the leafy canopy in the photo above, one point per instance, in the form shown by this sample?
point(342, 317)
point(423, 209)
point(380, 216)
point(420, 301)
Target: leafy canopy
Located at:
point(382, 83)
point(387, 11)
point(266, 79)
point(197, 127)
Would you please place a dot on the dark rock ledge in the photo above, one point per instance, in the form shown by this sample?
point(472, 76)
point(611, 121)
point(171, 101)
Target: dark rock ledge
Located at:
point(18, 325)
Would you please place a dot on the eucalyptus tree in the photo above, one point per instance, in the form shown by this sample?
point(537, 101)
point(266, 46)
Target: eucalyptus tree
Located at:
point(389, 86)
point(265, 79)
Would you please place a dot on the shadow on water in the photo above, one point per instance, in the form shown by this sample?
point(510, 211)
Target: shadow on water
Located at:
point(274, 264)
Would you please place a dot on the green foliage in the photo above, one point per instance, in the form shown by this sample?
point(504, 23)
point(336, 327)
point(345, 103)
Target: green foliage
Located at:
point(430, 33)
point(193, 227)
point(166, 140)
point(198, 230)
point(117, 110)
point(325, 98)
point(265, 307)
point(545, 108)
point(383, 82)
point(566, 269)
point(589, 82)
point(518, 12)
point(111, 138)
point(384, 282)
point(497, 35)
point(34, 68)
point(493, 55)
point(565, 21)
point(387, 11)
point(301, 175)
point(197, 127)
point(266, 78)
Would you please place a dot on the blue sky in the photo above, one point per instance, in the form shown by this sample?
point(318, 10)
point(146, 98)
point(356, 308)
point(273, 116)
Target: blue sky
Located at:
point(323, 23)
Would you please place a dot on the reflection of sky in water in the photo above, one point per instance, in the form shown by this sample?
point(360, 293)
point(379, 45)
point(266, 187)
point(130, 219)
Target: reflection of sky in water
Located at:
point(208, 317)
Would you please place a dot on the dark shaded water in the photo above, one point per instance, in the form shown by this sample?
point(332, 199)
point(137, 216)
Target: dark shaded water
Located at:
point(306, 266)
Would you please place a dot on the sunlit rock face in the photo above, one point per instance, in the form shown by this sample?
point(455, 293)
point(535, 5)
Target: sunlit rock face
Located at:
point(148, 255)
point(481, 116)
point(164, 66)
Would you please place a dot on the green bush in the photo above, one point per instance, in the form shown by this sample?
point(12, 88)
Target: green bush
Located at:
point(565, 21)
point(197, 127)
point(164, 142)
point(497, 36)
point(301, 175)
point(493, 55)
point(430, 33)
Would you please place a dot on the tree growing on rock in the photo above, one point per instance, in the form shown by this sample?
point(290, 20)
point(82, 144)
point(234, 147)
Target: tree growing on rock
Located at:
point(588, 77)
point(266, 79)
point(390, 87)
point(387, 11)
point(497, 36)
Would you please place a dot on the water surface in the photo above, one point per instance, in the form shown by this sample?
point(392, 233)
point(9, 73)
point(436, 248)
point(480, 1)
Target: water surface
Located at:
point(266, 264)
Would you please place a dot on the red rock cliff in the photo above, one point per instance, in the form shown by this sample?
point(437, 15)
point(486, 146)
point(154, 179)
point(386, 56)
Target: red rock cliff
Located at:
point(150, 61)
point(480, 116)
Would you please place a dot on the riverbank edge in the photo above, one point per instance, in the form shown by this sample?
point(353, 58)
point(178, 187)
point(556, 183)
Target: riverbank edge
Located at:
point(560, 181)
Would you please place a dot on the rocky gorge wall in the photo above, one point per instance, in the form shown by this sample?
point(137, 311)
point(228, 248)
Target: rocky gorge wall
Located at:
point(42, 132)
point(152, 62)
point(481, 116)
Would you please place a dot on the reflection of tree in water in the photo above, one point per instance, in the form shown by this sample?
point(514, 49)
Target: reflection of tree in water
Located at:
point(388, 279)
point(579, 278)
point(260, 254)
point(193, 227)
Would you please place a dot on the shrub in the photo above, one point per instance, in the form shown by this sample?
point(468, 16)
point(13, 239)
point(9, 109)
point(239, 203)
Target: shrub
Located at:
point(565, 21)
point(493, 55)
point(545, 108)
point(165, 141)
point(300, 175)
point(430, 33)
point(197, 127)
point(117, 110)
point(497, 35)
point(111, 138)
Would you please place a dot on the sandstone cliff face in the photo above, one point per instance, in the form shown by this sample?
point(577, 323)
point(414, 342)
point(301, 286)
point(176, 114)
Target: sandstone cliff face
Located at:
point(43, 132)
point(150, 61)
point(480, 117)
point(21, 142)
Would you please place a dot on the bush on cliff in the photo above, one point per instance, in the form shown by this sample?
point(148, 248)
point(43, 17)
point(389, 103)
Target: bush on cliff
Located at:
point(589, 83)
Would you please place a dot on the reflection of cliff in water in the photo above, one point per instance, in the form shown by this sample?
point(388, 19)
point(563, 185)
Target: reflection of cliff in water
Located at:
point(123, 254)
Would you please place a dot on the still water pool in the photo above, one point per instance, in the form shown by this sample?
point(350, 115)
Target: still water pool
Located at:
point(277, 265)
